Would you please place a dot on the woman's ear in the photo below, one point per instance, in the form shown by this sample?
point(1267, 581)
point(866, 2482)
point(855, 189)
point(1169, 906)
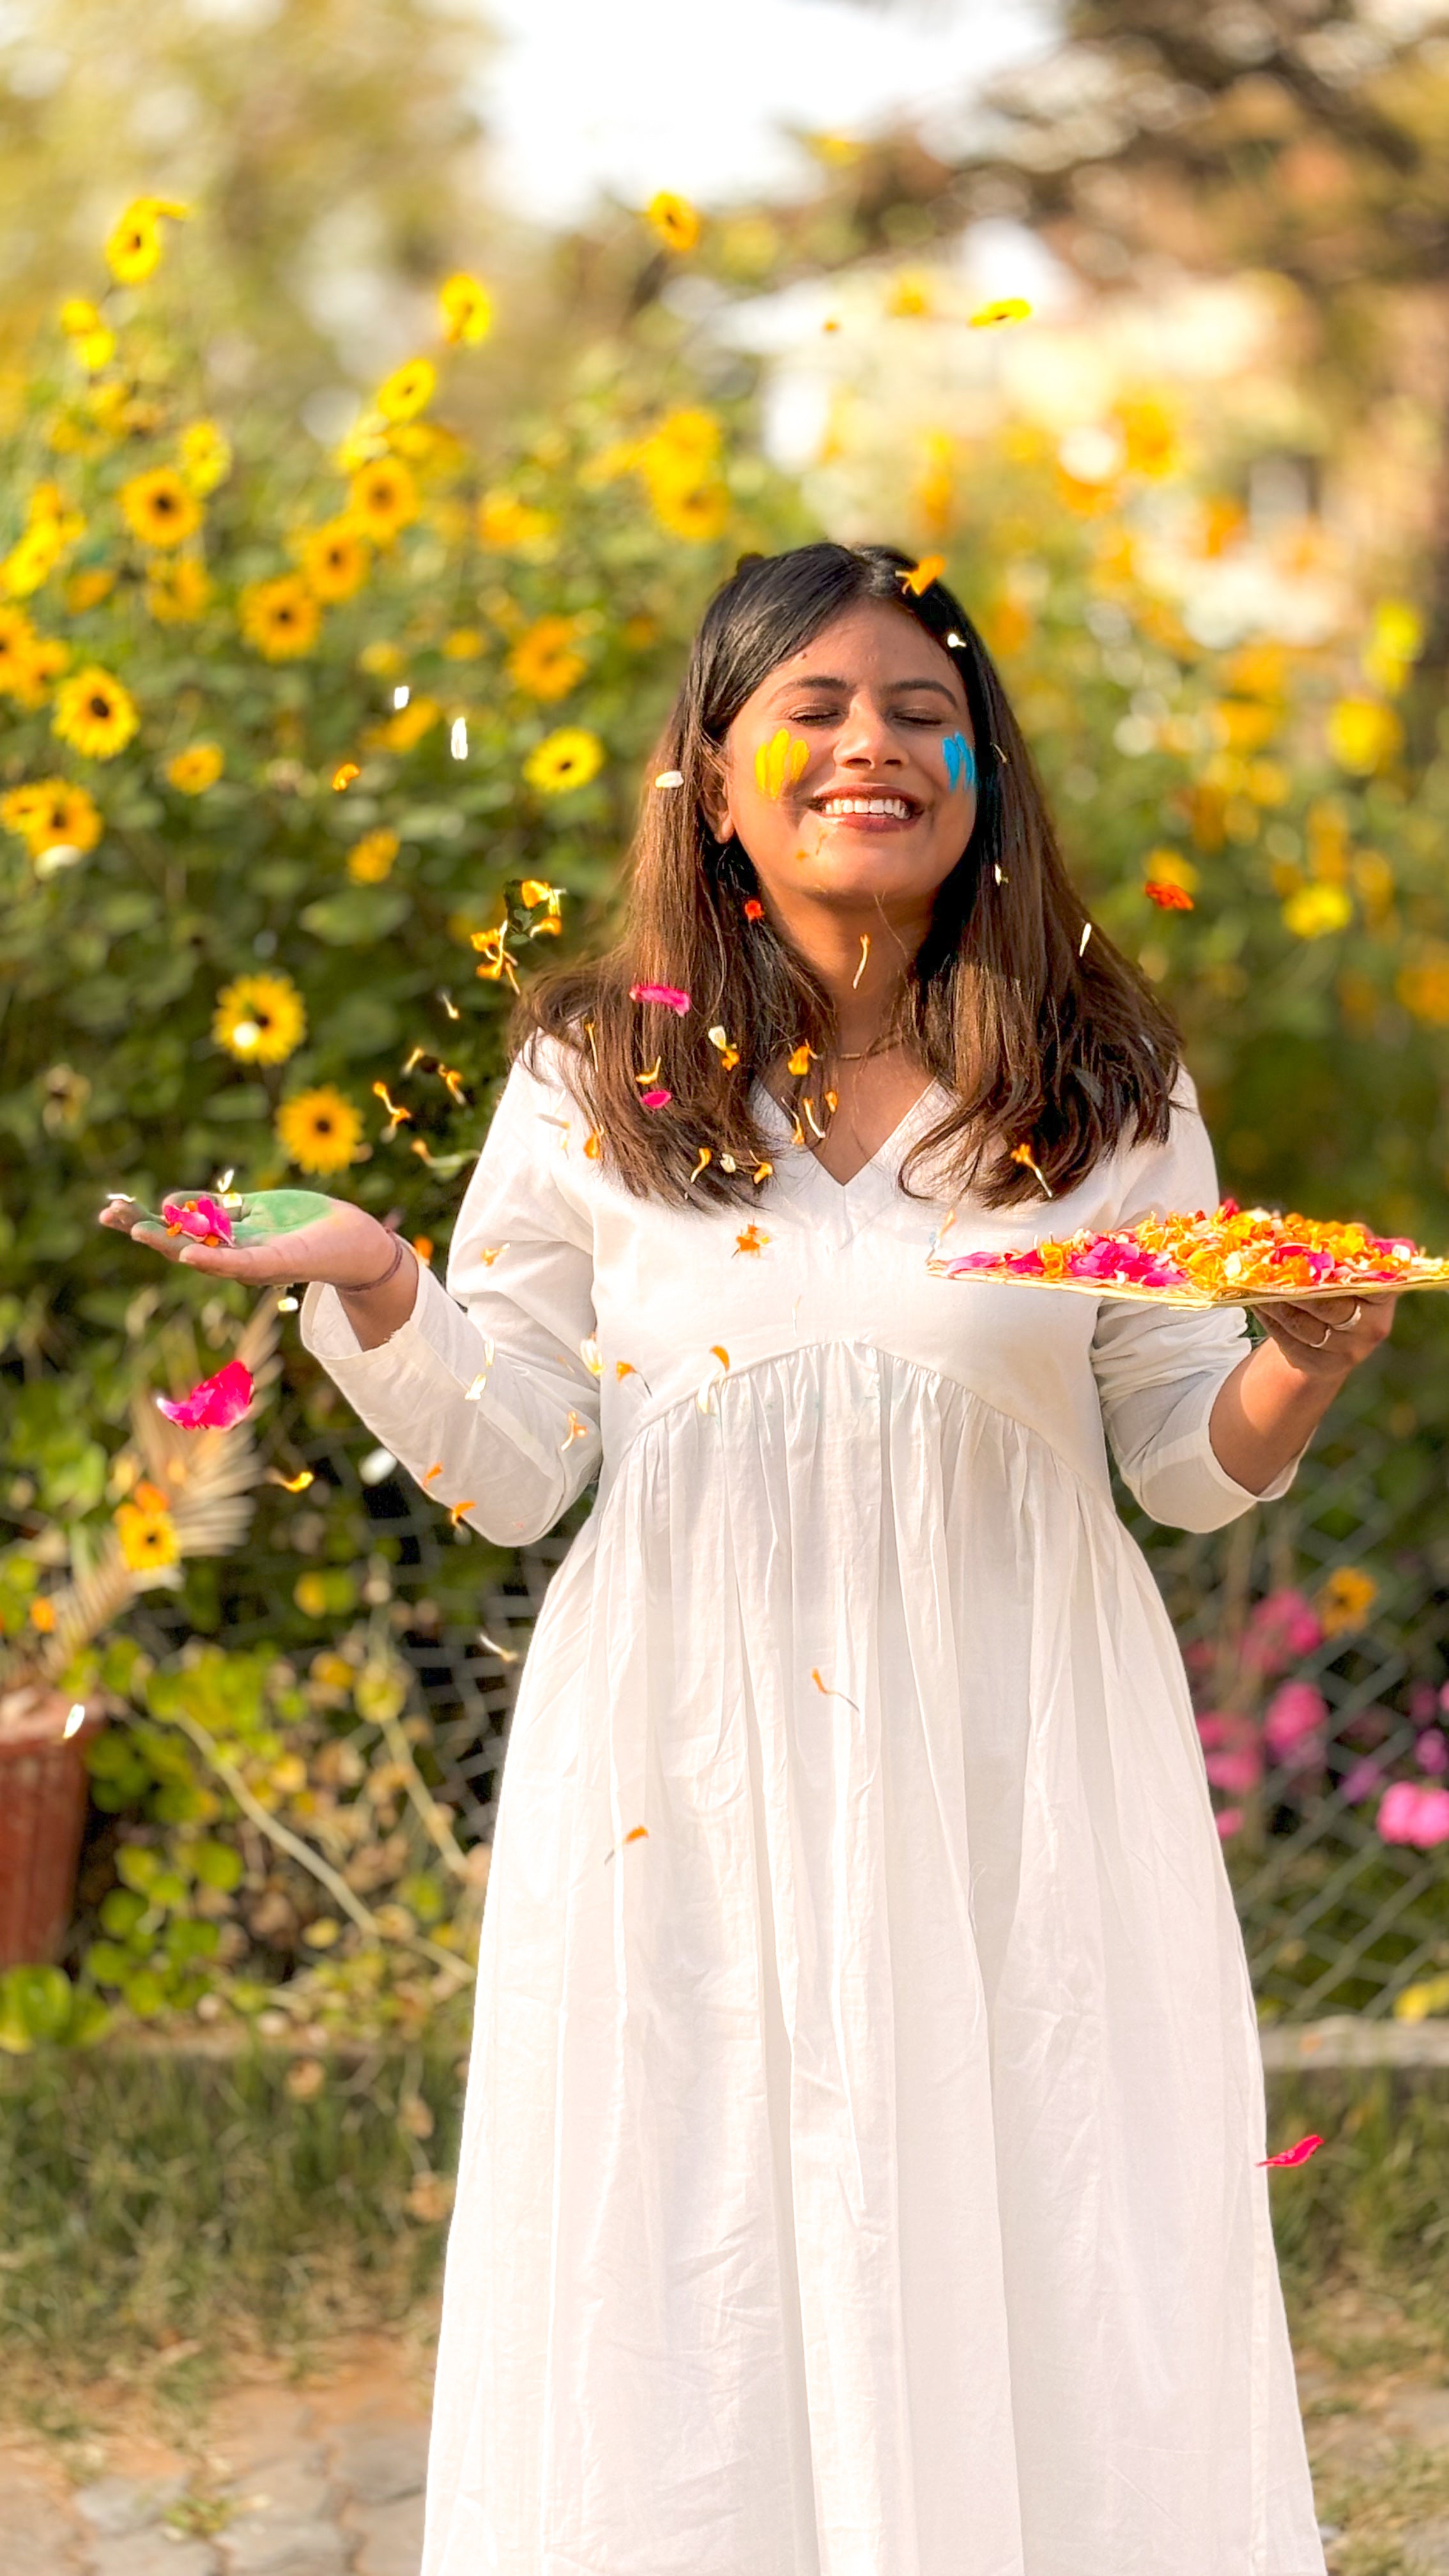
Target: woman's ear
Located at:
point(714, 797)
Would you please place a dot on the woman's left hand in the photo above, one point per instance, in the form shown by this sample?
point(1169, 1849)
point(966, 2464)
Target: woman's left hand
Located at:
point(1325, 1337)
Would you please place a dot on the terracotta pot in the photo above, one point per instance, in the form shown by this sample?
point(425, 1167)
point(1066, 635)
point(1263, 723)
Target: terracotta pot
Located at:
point(43, 1786)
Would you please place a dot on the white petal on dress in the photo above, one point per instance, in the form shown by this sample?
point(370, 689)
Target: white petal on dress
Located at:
point(859, 2169)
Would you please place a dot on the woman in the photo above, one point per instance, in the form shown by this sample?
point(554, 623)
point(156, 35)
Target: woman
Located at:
point(860, 2162)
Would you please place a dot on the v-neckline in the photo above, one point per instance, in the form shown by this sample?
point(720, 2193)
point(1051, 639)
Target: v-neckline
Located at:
point(869, 1169)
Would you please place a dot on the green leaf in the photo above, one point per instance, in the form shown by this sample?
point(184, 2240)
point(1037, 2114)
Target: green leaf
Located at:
point(217, 1865)
point(144, 1992)
point(108, 1963)
point(358, 918)
point(37, 2000)
point(121, 1911)
point(139, 1867)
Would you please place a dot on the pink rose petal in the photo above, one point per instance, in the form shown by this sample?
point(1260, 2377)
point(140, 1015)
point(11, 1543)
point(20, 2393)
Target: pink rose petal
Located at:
point(1298, 2155)
point(199, 1217)
point(671, 996)
point(655, 1099)
point(215, 1403)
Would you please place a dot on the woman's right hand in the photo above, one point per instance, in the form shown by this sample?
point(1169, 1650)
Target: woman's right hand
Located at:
point(279, 1238)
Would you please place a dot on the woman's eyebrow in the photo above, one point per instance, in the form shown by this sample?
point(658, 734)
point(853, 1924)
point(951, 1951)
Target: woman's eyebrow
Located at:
point(894, 688)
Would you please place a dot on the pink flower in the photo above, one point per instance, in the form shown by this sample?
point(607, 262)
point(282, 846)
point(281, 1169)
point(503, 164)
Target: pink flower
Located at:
point(1423, 1703)
point(1234, 1755)
point(1360, 1781)
point(1237, 1771)
point(655, 1099)
point(1280, 1628)
point(216, 1403)
point(1229, 1821)
point(1432, 1752)
point(204, 1218)
point(1413, 1811)
point(1298, 2155)
point(1296, 1715)
point(669, 996)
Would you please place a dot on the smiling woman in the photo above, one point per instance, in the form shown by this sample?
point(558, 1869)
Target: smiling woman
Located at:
point(828, 738)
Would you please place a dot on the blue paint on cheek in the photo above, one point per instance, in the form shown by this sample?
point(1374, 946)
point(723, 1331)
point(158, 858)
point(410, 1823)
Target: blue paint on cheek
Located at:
point(960, 761)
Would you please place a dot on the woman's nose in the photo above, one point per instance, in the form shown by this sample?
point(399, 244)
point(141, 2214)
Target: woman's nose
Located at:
point(866, 740)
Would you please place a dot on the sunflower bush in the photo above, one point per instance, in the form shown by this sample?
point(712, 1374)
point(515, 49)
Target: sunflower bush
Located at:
point(305, 755)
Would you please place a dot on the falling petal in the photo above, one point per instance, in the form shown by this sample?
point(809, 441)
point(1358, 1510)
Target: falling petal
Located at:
point(75, 1718)
point(626, 1368)
point(344, 774)
point(1003, 308)
point(436, 1469)
point(589, 1354)
point(505, 1654)
point(1082, 942)
point(921, 575)
point(762, 1172)
point(1169, 898)
point(651, 1073)
point(956, 642)
point(419, 1055)
point(751, 1240)
point(534, 891)
point(864, 957)
point(705, 1397)
point(671, 997)
point(658, 1098)
point(458, 738)
point(809, 1108)
point(670, 778)
point(449, 1005)
point(1298, 2155)
point(1023, 1154)
point(395, 1112)
point(752, 908)
point(729, 1055)
point(827, 1693)
point(705, 1156)
point(297, 1484)
point(799, 1060)
point(999, 872)
point(456, 1514)
point(832, 1102)
point(780, 761)
point(215, 1403)
point(576, 1429)
point(489, 1253)
point(593, 1145)
point(636, 1834)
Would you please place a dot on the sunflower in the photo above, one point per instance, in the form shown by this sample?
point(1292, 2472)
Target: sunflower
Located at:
point(32, 559)
point(133, 244)
point(147, 1535)
point(260, 1019)
point(699, 510)
point(319, 1130)
point(408, 390)
point(196, 768)
point(673, 219)
point(281, 618)
point(24, 658)
point(405, 730)
point(87, 589)
point(383, 498)
point(51, 814)
point(464, 644)
point(92, 339)
point(466, 308)
point(569, 758)
point(159, 509)
point(335, 560)
point(205, 456)
point(507, 524)
point(178, 593)
point(94, 713)
point(370, 859)
point(679, 450)
point(544, 661)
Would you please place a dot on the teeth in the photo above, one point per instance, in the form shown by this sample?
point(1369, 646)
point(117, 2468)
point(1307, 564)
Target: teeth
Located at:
point(867, 805)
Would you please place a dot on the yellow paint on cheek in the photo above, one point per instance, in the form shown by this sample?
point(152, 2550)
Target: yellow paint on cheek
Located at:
point(780, 761)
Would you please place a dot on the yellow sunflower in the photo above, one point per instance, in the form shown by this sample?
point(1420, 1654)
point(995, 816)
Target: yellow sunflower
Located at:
point(466, 307)
point(147, 1536)
point(28, 661)
point(133, 244)
point(464, 644)
point(383, 498)
point(319, 1130)
point(408, 390)
point(335, 560)
point(94, 713)
point(405, 730)
point(681, 447)
point(87, 589)
point(260, 1019)
point(51, 814)
point(92, 339)
point(697, 510)
point(159, 509)
point(569, 758)
point(205, 456)
point(281, 618)
point(196, 768)
point(544, 660)
point(507, 524)
point(673, 219)
point(178, 593)
point(32, 559)
point(371, 858)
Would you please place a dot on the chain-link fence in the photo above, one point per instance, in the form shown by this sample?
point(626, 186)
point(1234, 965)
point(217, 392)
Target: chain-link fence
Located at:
point(1315, 1634)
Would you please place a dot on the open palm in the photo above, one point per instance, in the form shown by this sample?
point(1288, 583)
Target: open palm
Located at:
point(278, 1237)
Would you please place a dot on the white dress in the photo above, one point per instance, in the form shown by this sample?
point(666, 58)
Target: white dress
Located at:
point(859, 2168)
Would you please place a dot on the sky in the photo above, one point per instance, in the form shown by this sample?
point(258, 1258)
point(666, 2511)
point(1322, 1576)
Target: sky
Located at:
point(635, 95)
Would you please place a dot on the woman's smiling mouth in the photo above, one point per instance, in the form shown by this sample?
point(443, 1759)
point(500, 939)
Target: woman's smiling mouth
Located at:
point(889, 811)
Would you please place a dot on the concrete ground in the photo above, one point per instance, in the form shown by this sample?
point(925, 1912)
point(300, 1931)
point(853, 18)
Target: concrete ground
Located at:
point(322, 2475)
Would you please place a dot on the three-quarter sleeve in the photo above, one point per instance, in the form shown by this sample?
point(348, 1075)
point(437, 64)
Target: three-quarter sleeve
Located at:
point(1159, 1368)
point(485, 1380)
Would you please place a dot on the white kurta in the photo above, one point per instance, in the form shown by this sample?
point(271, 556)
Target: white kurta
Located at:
point(858, 2174)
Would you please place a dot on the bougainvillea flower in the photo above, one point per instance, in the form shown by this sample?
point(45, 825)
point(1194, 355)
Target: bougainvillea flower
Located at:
point(1280, 1628)
point(670, 997)
point(203, 1218)
point(1298, 2155)
point(1414, 1812)
point(658, 1098)
point(1293, 1726)
point(216, 1403)
point(1169, 898)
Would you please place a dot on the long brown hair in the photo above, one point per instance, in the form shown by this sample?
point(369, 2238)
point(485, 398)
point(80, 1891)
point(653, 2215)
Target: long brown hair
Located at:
point(1044, 1037)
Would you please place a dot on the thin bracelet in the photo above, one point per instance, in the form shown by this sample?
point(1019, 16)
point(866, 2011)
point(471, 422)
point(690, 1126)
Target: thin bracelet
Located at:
point(367, 1285)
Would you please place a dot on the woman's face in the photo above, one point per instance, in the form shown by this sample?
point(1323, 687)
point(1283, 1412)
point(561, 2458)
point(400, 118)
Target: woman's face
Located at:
point(850, 775)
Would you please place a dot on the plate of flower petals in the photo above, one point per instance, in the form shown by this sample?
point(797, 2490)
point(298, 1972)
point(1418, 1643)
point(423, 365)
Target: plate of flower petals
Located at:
point(1233, 1257)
